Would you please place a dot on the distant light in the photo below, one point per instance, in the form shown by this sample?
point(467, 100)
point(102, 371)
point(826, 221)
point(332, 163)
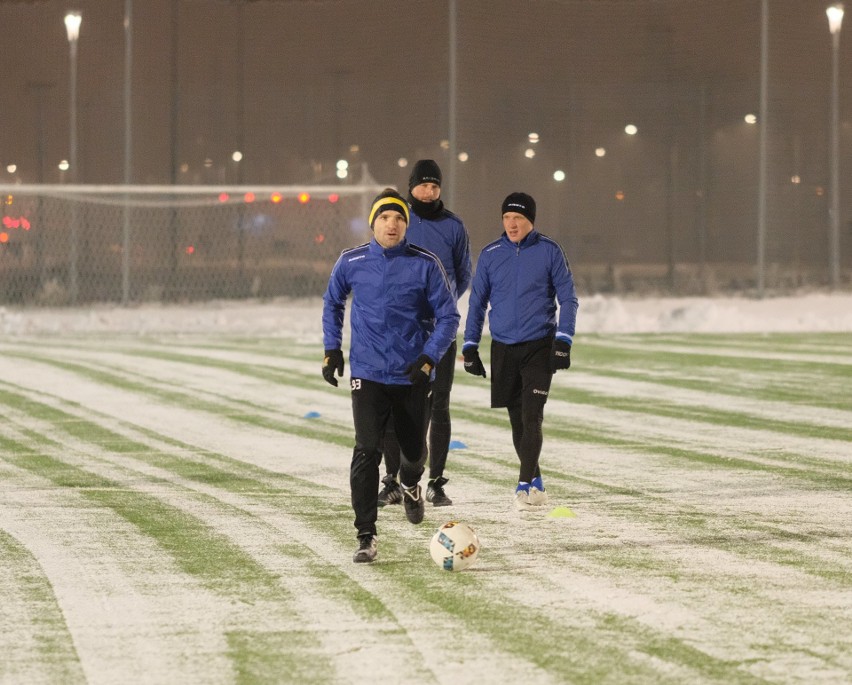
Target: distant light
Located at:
point(334, 197)
point(402, 162)
point(16, 222)
point(631, 130)
point(208, 163)
point(342, 164)
point(72, 25)
point(319, 238)
point(237, 155)
point(249, 197)
point(619, 195)
point(835, 17)
point(4, 237)
point(276, 198)
point(445, 144)
point(12, 168)
point(533, 138)
point(184, 168)
point(529, 153)
point(63, 165)
point(795, 179)
point(224, 197)
point(559, 175)
point(9, 199)
point(190, 249)
point(304, 198)
point(600, 151)
point(750, 119)
point(342, 173)
point(463, 156)
point(354, 148)
point(820, 191)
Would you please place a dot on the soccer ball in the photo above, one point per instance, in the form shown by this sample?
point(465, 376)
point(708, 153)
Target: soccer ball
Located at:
point(454, 546)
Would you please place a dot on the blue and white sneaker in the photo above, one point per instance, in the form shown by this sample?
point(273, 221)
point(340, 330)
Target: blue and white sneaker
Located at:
point(522, 497)
point(538, 497)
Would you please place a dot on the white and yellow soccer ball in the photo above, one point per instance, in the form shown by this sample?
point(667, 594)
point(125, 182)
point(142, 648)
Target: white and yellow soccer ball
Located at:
point(454, 546)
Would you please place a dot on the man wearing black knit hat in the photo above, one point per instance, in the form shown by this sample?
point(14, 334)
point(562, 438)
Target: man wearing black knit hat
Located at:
point(522, 275)
point(440, 231)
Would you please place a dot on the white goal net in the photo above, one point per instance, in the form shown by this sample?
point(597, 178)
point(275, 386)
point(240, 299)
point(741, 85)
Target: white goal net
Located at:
point(68, 245)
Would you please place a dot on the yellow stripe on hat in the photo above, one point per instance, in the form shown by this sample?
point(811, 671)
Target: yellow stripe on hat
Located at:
point(384, 203)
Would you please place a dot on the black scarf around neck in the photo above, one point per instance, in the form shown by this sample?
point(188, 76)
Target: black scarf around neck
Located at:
point(426, 210)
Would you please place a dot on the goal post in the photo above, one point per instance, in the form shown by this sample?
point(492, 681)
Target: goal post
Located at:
point(77, 244)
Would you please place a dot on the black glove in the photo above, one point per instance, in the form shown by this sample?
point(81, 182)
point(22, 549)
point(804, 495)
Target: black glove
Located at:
point(560, 355)
point(472, 362)
point(333, 362)
point(421, 370)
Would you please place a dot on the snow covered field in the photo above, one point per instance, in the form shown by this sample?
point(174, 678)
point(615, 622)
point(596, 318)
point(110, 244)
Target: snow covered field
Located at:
point(174, 505)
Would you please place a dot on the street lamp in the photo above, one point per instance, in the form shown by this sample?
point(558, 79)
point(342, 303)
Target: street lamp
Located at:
point(72, 26)
point(835, 20)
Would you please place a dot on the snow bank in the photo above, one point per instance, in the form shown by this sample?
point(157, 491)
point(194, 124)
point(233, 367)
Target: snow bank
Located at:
point(598, 314)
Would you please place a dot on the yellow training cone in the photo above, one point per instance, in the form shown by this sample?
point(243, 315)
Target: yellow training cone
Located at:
point(562, 513)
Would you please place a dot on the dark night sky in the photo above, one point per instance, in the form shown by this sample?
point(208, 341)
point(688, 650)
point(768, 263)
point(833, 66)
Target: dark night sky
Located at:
point(318, 76)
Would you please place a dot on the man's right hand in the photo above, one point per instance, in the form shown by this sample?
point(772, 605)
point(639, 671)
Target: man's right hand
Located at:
point(332, 362)
point(472, 362)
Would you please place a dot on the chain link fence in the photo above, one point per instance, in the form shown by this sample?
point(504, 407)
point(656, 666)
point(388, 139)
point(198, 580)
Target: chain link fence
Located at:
point(66, 245)
point(672, 146)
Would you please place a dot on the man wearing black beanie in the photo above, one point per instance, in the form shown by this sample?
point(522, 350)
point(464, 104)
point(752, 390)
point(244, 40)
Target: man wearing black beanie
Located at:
point(522, 275)
point(440, 231)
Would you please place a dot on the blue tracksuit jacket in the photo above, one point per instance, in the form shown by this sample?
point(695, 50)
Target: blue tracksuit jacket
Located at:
point(446, 236)
point(402, 307)
point(522, 282)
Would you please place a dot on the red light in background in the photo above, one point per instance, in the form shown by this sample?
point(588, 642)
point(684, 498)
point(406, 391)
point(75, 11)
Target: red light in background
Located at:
point(304, 198)
point(249, 197)
point(334, 197)
point(190, 249)
point(276, 197)
point(224, 197)
point(16, 222)
point(4, 237)
point(320, 238)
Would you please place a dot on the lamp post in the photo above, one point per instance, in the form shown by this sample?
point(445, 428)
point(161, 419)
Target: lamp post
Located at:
point(835, 20)
point(763, 143)
point(72, 26)
point(128, 148)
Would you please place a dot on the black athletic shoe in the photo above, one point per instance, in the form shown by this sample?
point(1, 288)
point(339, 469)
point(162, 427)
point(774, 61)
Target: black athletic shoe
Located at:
point(435, 493)
point(367, 549)
point(415, 507)
point(391, 493)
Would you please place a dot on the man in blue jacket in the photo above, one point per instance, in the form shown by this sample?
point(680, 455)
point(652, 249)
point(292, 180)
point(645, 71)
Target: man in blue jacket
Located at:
point(522, 275)
point(403, 319)
point(437, 229)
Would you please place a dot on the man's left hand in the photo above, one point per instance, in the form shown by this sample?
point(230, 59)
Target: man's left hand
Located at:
point(421, 370)
point(560, 355)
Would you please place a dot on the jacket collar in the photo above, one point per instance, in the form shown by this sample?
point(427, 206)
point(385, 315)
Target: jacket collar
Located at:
point(375, 248)
point(530, 238)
